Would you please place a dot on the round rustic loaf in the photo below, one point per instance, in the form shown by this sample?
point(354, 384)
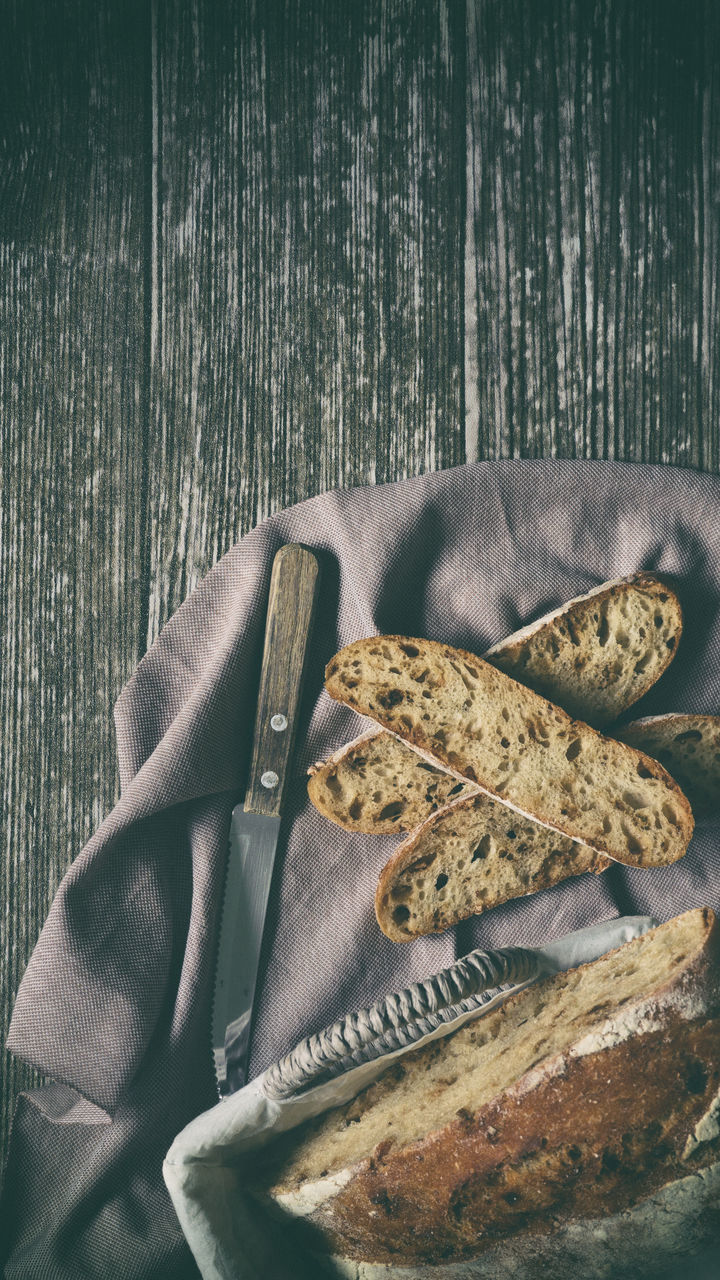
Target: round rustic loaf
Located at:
point(541, 1125)
point(658, 1238)
point(594, 657)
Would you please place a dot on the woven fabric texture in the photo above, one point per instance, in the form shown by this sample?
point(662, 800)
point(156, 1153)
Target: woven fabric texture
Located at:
point(115, 1004)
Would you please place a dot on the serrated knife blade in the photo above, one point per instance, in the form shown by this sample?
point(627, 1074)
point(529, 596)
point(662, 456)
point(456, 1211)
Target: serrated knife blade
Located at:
point(255, 824)
point(251, 858)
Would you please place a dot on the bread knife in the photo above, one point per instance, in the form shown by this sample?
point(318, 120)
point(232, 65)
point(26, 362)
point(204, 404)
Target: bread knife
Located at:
point(255, 824)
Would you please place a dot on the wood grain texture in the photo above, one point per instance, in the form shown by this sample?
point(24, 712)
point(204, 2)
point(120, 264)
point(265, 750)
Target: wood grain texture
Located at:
point(294, 585)
point(592, 255)
point(72, 427)
point(307, 265)
point(231, 255)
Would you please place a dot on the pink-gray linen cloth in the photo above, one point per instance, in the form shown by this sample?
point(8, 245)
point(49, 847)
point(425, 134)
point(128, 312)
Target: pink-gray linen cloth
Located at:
point(115, 1005)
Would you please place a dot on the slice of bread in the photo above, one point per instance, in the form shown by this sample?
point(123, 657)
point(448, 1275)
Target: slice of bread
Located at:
point(472, 855)
point(599, 653)
point(378, 785)
point(689, 748)
point(571, 1101)
point(595, 656)
point(462, 714)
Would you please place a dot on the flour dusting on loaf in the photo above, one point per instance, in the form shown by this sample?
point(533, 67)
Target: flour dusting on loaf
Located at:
point(574, 1100)
point(706, 1130)
point(673, 1225)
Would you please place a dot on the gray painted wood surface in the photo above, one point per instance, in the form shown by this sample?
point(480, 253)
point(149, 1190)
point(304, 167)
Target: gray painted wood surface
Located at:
point(592, 267)
point(234, 272)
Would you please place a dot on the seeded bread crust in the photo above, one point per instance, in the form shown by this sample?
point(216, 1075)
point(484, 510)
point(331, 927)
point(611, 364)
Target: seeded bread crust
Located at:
point(688, 746)
point(463, 715)
point(627, 1102)
point(472, 855)
point(584, 657)
point(654, 1239)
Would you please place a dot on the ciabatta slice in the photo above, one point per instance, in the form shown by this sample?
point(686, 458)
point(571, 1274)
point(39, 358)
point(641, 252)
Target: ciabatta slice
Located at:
point(595, 656)
point(468, 857)
point(689, 748)
point(378, 785)
point(462, 714)
point(572, 1100)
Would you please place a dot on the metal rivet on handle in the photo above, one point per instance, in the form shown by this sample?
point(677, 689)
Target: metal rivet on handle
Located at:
point(278, 723)
point(269, 780)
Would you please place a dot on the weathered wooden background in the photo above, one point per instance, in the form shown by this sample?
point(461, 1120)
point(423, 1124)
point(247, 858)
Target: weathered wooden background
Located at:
point(593, 263)
point(252, 251)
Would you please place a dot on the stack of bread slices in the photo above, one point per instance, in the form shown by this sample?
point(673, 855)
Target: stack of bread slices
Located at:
point(497, 766)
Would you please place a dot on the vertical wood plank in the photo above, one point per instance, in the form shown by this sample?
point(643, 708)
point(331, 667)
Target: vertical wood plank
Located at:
point(72, 391)
point(592, 230)
point(229, 243)
point(307, 278)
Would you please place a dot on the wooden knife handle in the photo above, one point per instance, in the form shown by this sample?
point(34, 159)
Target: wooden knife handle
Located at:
point(293, 592)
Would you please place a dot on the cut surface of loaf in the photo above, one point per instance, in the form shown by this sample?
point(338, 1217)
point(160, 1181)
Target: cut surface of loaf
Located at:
point(575, 1097)
point(594, 657)
point(689, 748)
point(472, 855)
point(467, 717)
point(599, 653)
point(378, 785)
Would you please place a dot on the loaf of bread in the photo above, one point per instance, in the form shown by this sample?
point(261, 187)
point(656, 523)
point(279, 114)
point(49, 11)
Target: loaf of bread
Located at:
point(463, 715)
point(470, 856)
point(578, 1098)
point(689, 748)
point(594, 657)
